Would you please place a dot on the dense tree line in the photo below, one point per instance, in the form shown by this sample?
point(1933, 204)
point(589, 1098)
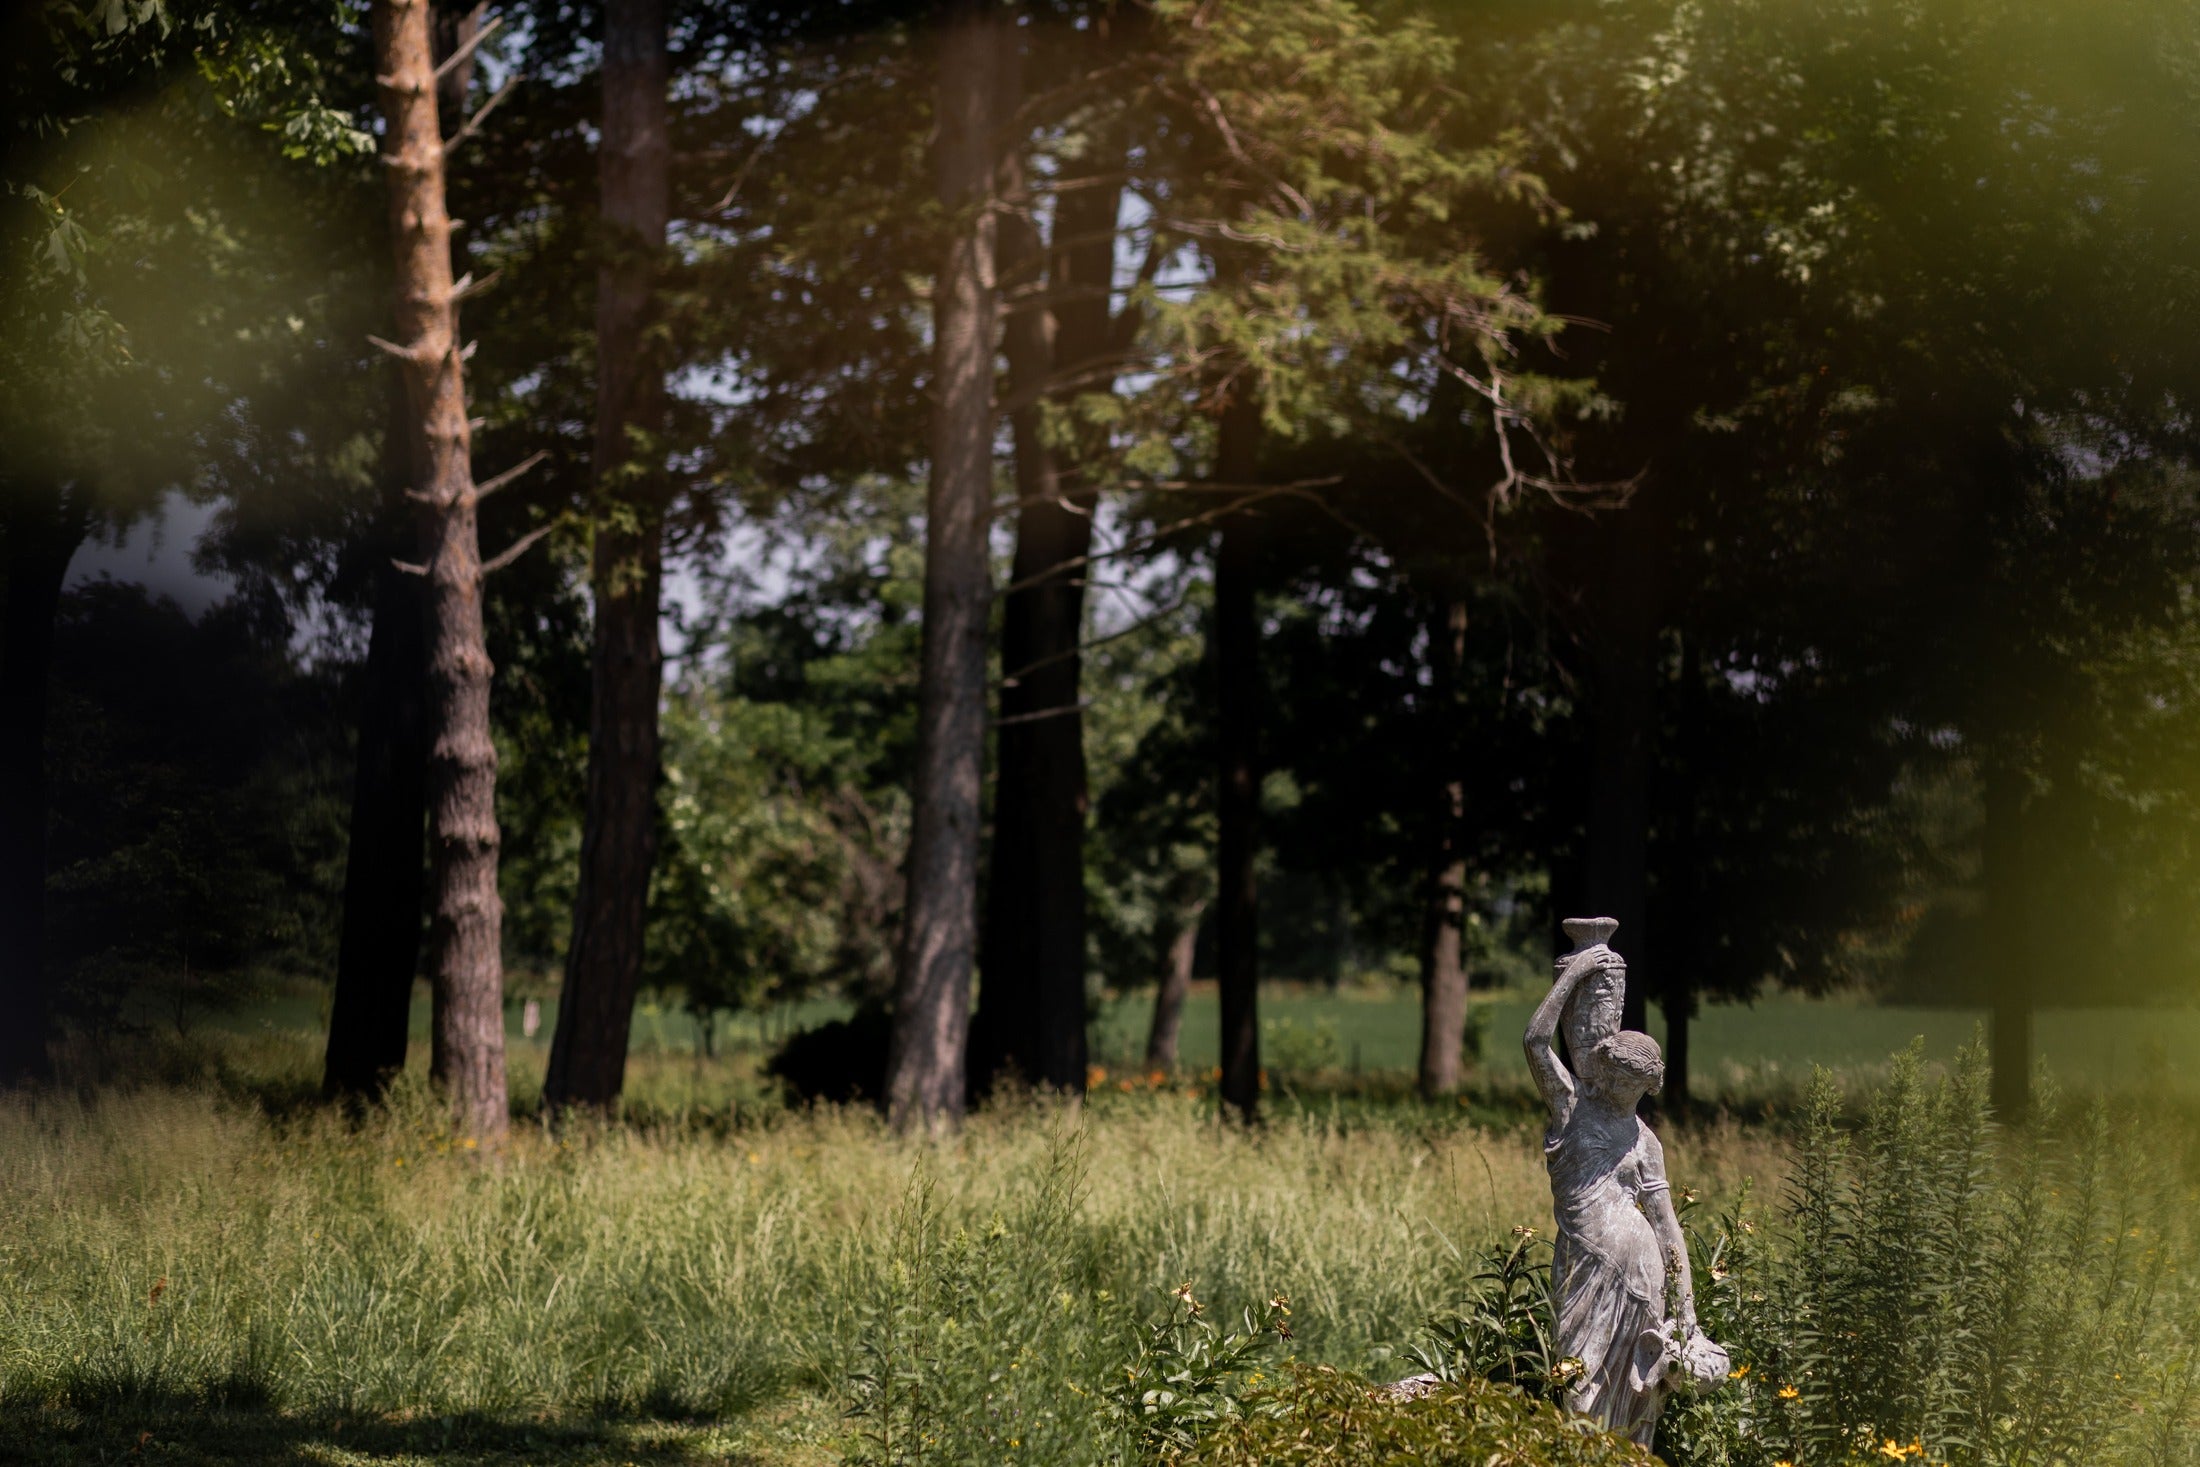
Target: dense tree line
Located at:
point(1126, 488)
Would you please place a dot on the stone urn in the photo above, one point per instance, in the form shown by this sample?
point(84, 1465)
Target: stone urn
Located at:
point(1594, 1010)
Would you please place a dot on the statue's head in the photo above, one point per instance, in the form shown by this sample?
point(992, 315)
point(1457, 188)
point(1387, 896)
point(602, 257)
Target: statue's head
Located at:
point(1624, 1066)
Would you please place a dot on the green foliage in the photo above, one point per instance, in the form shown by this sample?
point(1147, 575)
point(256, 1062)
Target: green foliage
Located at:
point(775, 874)
point(1505, 1330)
point(106, 230)
point(1946, 1291)
point(1310, 162)
point(1190, 1377)
point(1323, 1417)
point(198, 814)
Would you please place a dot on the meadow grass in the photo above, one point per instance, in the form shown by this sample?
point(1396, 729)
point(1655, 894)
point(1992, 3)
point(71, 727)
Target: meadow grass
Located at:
point(172, 1256)
point(206, 1267)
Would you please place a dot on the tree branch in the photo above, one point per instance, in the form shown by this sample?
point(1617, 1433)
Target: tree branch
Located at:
point(473, 123)
point(517, 548)
point(1142, 542)
point(466, 287)
point(1077, 707)
point(466, 48)
point(402, 353)
point(491, 486)
point(1010, 680)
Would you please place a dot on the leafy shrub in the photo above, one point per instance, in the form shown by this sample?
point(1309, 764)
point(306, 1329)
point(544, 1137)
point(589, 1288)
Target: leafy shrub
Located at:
point(1190, 1377)
point(1936, 1289)
point(1322, 1417)
point(840, 1060)
point(1946, 1291)
point(1507, 1329)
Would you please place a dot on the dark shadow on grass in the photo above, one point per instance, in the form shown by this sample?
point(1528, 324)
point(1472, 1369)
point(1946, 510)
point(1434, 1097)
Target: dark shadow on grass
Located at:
point(192, 1433)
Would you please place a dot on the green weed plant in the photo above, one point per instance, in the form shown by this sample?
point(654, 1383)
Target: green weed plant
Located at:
point(1942, 1289)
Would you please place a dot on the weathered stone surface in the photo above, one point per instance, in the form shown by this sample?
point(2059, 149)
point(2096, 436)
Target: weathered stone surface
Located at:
point(1619, 1275)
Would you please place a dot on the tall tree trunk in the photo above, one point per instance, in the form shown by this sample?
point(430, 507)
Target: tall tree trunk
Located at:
point(1443, 969)
point(454, 29)
point(1031, 1001)
point(378, 949)
point(44, 528)
point(2008, 948)
point(1174, 987)
point(925, 1070)
point(1685, 943)
point(1237, 658)
point(603, 966)
point(466, 961)
point(1621, 605)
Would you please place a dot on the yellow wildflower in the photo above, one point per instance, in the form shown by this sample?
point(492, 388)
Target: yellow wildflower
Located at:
point(1789, 1393)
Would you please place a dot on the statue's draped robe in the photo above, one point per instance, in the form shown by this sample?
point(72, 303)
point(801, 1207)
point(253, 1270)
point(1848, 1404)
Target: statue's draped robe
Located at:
point(1607, 1270)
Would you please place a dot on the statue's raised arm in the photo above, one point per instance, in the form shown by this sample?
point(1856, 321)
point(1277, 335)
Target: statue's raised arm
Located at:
point(1584, 999)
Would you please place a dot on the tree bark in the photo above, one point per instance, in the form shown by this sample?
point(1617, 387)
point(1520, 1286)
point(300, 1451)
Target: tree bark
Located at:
point(378, 950)
point(1175, 986)
point(44, 529)
point(603, 966)
point(1237, 658)
point(925, 1056)
point(2008, 948)
point(465, 935)
point(1031, 1002)
point(452, 29)
point(1684, 942)
point(1443, 969)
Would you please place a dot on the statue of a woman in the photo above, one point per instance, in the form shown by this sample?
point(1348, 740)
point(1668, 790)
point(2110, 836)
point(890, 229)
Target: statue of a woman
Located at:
point(1618, 1238)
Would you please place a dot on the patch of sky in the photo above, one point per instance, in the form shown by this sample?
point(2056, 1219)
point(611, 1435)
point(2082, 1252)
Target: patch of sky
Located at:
point(155, 551)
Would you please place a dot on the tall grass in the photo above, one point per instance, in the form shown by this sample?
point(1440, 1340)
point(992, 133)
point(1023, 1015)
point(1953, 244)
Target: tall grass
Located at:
point(1909, 1281)
point(169, 1245)
point(1936, 1289)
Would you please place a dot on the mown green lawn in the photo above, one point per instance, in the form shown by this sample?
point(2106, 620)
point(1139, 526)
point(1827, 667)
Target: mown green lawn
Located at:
point(1742, 1052)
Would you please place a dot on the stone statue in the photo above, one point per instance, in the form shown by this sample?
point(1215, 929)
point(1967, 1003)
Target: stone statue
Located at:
point(1619, 1244)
